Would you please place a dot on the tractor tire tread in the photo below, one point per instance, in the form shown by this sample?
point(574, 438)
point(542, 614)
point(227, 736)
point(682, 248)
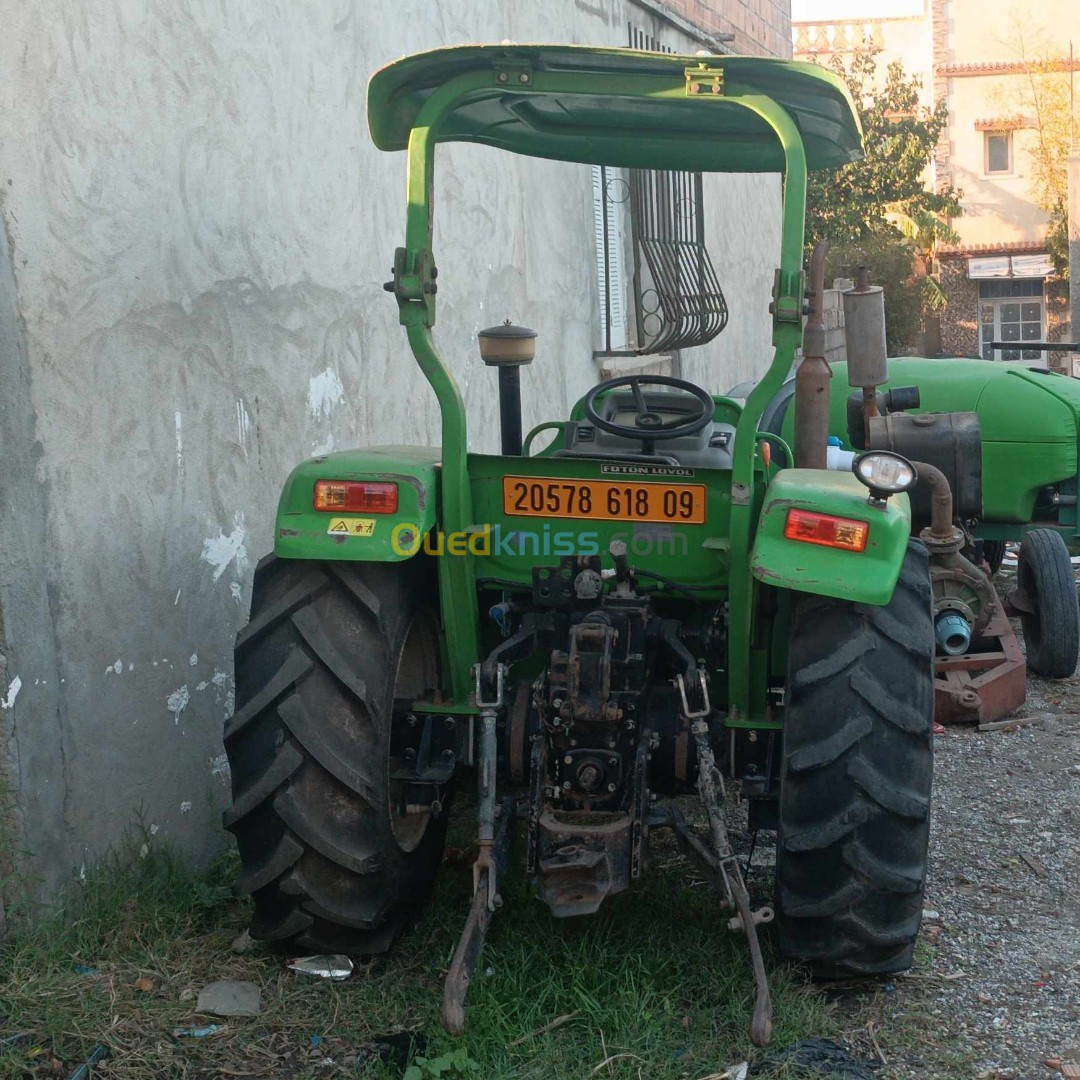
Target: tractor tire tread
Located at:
point(311, 630)
point(315, 739)
point(855, 796)
point(1052, 631)
point(281, 857)
point(285, 762)
point(830, 746)
point(296, 666)
point(828, 667)
point(308, 746)
point(305, 590)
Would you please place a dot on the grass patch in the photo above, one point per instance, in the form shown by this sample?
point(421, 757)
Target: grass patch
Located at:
point(654, 983)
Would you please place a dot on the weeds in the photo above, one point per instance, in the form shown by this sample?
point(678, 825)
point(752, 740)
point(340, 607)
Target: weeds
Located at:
point(652, 986)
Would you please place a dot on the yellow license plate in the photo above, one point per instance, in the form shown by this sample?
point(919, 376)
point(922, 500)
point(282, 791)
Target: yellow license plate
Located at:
point(603, 500)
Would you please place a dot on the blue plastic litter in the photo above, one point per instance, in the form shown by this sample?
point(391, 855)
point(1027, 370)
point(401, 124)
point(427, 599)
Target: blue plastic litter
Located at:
point(84, 1071)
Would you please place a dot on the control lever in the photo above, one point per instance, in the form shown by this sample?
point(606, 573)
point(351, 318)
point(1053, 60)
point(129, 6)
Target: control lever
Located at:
point(618, 551)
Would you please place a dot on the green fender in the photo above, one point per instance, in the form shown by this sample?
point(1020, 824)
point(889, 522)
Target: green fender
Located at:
point(302, 532)
point(865, 577)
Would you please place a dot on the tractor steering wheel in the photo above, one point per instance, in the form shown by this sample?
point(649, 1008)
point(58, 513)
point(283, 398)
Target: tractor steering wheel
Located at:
point(649, 426)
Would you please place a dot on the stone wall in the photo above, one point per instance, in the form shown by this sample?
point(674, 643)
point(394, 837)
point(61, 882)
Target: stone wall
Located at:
point(1058, 322)
point(960, 325)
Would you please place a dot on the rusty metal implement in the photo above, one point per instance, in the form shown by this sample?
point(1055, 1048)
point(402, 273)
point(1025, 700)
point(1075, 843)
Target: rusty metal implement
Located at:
point(467, 953)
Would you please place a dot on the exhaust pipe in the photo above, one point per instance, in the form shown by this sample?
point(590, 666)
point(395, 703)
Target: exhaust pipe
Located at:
point(813, 375)
point(864, 335)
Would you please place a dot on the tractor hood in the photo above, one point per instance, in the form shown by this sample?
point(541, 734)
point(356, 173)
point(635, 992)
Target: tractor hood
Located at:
point(1030, 422)
point(619, 107)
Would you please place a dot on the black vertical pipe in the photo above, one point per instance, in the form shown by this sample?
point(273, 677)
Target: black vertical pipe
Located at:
point(510, 408)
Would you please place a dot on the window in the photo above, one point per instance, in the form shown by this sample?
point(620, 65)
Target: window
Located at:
point(998, 151)
point(1010, 311)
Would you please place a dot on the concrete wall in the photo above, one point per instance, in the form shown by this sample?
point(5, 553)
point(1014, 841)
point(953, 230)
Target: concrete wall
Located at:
point(195, 234)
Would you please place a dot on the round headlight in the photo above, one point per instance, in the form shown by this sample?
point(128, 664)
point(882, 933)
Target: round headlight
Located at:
point(884, 472)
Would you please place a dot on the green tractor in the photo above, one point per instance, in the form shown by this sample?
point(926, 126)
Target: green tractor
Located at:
point(1007, 436)
point(646, 608)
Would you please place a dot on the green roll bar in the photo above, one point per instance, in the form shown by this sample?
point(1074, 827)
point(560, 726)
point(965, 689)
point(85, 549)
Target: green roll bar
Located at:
point(415, 287)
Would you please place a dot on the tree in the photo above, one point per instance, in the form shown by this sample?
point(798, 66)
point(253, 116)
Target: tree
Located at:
point(1042, 95)
point(855, 201)
point(926, 231)
point(878, 212)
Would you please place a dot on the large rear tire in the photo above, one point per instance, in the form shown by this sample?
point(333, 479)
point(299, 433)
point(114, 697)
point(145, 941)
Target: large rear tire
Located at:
point(1044, 573)
point(855, 783)
point(329, 864)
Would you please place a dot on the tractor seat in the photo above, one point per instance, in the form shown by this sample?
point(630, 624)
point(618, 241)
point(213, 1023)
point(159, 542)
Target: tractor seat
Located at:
point(709, 448)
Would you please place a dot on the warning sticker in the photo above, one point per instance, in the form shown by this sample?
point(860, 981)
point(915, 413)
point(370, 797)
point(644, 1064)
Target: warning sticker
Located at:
point(351, 526)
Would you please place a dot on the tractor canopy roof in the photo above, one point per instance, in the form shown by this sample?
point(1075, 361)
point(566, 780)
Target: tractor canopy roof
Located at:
point(617, 107)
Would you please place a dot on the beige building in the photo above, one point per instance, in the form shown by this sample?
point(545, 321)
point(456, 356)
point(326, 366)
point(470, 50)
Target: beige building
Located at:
point(983, 58)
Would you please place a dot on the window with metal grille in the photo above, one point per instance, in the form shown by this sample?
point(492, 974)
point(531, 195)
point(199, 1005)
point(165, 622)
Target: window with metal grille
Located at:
point(674, 291)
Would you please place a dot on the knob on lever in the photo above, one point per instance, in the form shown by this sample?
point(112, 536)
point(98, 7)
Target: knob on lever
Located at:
point(618, 550)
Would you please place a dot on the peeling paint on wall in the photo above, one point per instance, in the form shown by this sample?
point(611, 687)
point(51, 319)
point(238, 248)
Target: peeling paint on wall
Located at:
point(325, 392)
point(179, 422)
point(243, 423)
point(12, 693)
point(177, 702)
point(224, 548)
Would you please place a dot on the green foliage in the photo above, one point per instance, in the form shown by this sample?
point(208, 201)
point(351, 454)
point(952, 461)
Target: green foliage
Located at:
point(878, 212)
point(1057, 238)
point(891, 258)
point(850, 204)
point(455, 1063)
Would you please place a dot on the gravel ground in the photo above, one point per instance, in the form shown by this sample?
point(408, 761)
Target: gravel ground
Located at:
point(996, 991)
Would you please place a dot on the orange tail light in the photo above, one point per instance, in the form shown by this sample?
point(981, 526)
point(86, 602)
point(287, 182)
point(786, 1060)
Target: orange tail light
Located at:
point(350, 496)
point(827, 530)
